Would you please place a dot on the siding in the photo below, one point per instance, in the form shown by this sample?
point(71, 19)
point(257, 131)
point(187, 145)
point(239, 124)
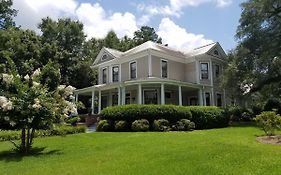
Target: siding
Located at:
point(190, 72)
point(142, 69)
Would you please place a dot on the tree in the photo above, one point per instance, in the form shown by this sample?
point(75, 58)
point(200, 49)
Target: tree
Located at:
point(259, 48)
point(27, 105)
point(146, 33)
point(6, 14)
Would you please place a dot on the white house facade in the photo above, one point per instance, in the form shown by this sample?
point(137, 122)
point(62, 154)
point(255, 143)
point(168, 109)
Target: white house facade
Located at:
point(152, 73)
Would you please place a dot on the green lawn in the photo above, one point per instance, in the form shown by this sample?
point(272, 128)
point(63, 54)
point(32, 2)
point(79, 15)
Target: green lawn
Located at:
point(218, 151)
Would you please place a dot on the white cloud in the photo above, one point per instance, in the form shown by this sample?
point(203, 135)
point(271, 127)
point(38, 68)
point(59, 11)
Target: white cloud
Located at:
point(97, 22)
point(175, 7)
point(177, 37)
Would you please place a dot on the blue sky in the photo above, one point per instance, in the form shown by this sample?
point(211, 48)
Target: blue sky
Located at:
point(183, 24)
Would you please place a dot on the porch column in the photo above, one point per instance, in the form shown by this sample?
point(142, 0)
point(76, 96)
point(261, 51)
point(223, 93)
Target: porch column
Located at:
point(99, 107)
point(162, 94)
point(93, 102)
point(123, 95)
point(212, 97)
point(76, 98)
point(119, 95)
point(180, 96)
point(139, 94)
point(200, 99)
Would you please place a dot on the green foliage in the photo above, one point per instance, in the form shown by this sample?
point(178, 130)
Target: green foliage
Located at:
point(161, 125)
point(7, 14)
point(104, 125)
point(141, 125)
point(206, 117)
point(121, 125)
point(133, 112)
point(72, 120)
point(146, 33)
point(237, 113)
point(273, 104)
point(183, 125)
point(57, 130)
point(269, 121)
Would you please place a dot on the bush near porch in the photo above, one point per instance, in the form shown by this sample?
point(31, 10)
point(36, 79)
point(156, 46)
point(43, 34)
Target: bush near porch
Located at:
point(204, 117)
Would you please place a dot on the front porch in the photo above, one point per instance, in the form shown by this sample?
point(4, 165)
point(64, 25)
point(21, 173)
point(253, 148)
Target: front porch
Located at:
point(97, 97)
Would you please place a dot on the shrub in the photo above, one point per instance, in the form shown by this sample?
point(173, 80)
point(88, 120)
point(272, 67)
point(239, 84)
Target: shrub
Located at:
point(269, 121)
point(183, 125)
point(237, 113)
point(121, 125)
point(161, 125)
point(140, 125)
point(72, 120)
point(134, 112)
point(104, 125)
point(206, 117)
point(57, 130)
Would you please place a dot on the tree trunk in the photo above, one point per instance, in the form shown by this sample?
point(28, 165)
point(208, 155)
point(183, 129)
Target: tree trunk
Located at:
point(22, 146)
point(26, 140)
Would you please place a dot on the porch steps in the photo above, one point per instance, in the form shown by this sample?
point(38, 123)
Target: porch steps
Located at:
point(91, 128)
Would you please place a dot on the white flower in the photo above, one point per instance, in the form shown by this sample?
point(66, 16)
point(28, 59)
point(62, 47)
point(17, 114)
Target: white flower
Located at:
point(35, 84)
point(3, 100)
point(69, 90)
point(36, 104)
point(8, 79)
point(7, 106)
point(70, 108)
point(12, 123)
point(61, 87)
point(26, 77)
point(6, 118)
point(36, 73)
point(71, 97)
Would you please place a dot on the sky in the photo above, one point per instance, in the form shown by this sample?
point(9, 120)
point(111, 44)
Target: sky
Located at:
point(182, 24)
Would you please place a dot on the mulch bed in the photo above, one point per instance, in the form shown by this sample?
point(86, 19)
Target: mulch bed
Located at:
point(275, 140)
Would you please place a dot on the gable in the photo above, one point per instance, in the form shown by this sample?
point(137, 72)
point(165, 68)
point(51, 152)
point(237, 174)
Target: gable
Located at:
point(217, 51)
point(103, 56)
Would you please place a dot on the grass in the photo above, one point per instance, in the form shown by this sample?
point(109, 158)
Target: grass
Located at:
point(232, 150)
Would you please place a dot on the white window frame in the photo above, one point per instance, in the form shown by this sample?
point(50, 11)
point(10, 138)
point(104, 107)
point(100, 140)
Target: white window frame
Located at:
point(113, 71)
point(102, 82)
point(161, 61)
point(130, 69)
point(200, 72)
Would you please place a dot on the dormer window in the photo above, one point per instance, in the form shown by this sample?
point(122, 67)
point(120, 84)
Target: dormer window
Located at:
point(104, 57)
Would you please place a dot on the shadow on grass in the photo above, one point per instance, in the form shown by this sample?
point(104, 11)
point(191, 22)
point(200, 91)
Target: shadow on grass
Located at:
point(13, 156)
point(243, 124)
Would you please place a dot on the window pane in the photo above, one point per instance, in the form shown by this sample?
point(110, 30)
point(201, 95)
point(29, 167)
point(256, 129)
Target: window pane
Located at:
point(219, 100)
point(164, 69)
point(115, 74)
point(133, 70)
point(217, 70)
point(104, 76)
point(204, 71)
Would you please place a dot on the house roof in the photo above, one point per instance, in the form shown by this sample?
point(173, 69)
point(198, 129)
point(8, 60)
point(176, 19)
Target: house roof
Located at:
point(165, 49)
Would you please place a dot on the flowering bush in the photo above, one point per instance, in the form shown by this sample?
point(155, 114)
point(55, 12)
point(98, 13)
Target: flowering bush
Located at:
point(27, 105)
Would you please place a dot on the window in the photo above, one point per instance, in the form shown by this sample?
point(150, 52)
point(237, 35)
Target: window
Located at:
point(204, 71)
point(207, 99)
point(128, 98)
point(219, 100)
point(114, 99)
point(104, 57)
point(104, 75)
point(115, 73)
point(133, 70)
point(217, 71)
point(164, 68)
point(150, 96)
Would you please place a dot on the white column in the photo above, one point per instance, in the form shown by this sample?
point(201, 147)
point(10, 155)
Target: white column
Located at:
point(197, 71)
point(93, 102)
point(99, 107)
point(149, 64)
point(123, 95)
point(212, 97)
point(139, 94)
point(162, 94)
point(119, 95)
point(200, 100)
point(76, 98)
point(180, 96)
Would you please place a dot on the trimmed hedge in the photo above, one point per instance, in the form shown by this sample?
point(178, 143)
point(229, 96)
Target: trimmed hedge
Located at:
point(161, 125)
point(57, 130)
point(207, 117)
point(140, 125)
point(104, 125)
point(134, 112)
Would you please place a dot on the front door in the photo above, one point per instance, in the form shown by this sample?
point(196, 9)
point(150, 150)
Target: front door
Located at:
point(150, 96)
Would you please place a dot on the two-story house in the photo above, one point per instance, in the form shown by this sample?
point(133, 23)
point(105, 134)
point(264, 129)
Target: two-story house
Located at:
point(152, 73)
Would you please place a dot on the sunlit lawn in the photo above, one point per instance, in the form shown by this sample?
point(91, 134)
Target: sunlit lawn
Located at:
point(231, 150)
